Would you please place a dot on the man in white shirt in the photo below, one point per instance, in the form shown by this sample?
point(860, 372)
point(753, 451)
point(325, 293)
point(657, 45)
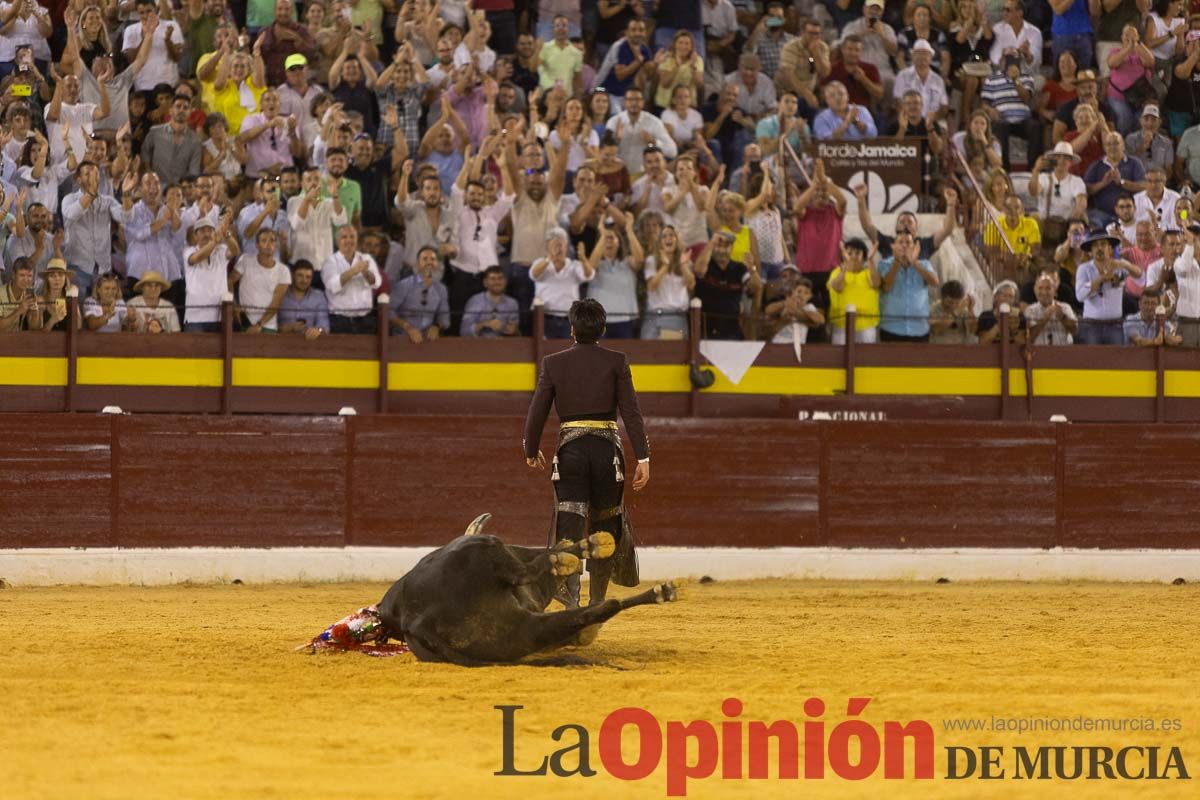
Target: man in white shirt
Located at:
point(1050, 321)
point(349, 277)
point(1156, 202)
point(206, 265)
point(635, 128)
point(67, 112)
point(921, 78)
point(262, 280)
point(1013, 37)
point(477, 237)
point(647, 191)
point(558, 279)
point(165, 49)
point(1178, 270)
point(312, 219)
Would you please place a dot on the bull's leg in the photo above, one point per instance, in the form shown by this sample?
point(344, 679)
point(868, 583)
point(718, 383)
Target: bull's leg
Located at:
point(564, 627)
point(511, 568)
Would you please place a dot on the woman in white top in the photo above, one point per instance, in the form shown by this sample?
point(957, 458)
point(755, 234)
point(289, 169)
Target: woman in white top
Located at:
point(681, 119)
point(39, 179)
point(766, 225)
point(30, 26)
point(1162, 27)
point(583, 139)
point(222, 153)
point(1057, 194)
point(685, 204)
point(615, 283)
point(669, 284)
point(105, 311)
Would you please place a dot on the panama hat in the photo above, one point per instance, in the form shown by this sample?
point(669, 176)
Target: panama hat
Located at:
point(151, 277)
point(1064, 150)
point(1099, 236)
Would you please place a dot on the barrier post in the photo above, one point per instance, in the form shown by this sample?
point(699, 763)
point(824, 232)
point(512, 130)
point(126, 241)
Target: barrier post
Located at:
point(72, 347)
point(694, 334)
point(227, 353)
point(851, 336)
point(383, 325)
point(1160, 321)
point(1003, 321)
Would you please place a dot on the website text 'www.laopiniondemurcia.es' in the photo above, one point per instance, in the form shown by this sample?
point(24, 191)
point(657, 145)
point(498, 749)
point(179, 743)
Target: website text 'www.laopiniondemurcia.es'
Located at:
point(735, 747)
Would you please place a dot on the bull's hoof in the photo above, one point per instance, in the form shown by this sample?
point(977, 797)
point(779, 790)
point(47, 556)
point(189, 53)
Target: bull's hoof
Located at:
point(665, 593)
point(563, 564)
point(587, 635)
point(598, 545)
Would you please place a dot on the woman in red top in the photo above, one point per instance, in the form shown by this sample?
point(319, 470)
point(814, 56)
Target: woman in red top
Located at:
point(1087, 137)
point(1061, 88)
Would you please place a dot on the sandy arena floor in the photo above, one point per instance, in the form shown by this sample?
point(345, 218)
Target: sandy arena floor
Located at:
point(194, 692)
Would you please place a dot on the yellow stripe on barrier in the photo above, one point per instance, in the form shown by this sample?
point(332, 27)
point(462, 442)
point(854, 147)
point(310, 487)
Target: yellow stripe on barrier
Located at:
point(1093, 383)
point(33, 371)
point(306, 373)
point(460, 377)
point(520, 377)
point(967, 381)
point(97, 371)
point(663, 378)
point(782, 380)
point(1178, 383)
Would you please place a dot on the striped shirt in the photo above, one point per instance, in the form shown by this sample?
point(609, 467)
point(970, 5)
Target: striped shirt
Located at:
point(1000, 93)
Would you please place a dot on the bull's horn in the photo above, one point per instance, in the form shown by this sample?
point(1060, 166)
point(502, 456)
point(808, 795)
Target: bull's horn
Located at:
point(477, 525)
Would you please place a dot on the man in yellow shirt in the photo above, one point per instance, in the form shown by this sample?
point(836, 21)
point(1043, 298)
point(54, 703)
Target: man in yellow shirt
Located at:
point(1021, 231)
point(561, 62)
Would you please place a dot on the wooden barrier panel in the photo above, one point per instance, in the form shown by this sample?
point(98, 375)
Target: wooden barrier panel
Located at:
point(222, 481)
point(940, 485)
point(55, 481)
point(1131, 486)
point(190, 480)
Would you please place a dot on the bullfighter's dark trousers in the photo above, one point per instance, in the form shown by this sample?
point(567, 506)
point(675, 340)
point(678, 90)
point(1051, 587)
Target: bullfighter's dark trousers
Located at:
point(588, 490)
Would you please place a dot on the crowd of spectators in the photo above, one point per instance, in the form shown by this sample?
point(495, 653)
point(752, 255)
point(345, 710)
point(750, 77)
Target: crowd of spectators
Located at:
point(472, 158)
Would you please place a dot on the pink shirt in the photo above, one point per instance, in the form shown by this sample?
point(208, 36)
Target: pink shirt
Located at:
point(818, 236)
point(1142, 258)
point(271, 147)
point(1124, 76)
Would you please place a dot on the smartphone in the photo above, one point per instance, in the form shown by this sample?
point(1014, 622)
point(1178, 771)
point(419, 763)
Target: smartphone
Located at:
point(60, 305)
point(21, 90)
point(1192, 36)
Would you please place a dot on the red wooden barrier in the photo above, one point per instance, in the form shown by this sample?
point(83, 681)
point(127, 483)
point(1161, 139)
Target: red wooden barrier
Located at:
point(190, 480)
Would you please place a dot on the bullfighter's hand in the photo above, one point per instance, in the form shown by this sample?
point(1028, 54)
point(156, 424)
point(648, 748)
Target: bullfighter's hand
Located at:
point(537, 463)
point(641, 476)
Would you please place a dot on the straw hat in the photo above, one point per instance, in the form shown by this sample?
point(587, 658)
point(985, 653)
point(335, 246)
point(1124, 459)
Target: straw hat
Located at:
point(151, 277)
point(1064, 150)
point(56, 265)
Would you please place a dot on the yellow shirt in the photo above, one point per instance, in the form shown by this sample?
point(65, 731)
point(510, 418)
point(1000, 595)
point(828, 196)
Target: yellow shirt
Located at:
point(231, 102)
point(857, 292)
point(741, 244)
point(1022, 237)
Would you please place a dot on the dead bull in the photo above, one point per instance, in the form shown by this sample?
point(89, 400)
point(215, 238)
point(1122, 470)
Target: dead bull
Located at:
point(479, 601)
